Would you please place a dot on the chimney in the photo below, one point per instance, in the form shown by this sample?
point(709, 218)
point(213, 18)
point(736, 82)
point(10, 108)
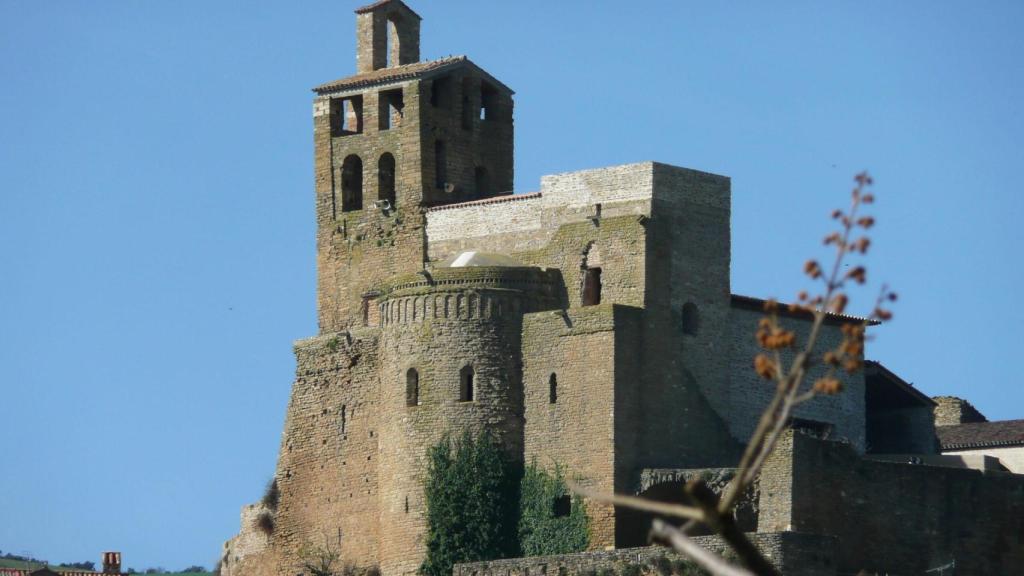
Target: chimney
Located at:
point(111, 562)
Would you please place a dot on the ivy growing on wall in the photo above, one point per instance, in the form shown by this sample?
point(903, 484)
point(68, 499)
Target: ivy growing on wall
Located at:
point(471, 491)
point(551, 521)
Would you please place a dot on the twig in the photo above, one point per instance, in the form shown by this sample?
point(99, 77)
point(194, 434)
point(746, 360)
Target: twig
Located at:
point(707, 560)
point(638, 503)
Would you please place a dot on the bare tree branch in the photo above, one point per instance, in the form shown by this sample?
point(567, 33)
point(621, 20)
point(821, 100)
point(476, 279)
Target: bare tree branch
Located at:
point(707, 560)
point(638, 503)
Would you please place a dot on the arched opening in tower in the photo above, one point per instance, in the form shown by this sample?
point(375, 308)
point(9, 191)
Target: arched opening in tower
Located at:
point(352, 184)
point(386, 179)
point(466, 384)
point(412, 388)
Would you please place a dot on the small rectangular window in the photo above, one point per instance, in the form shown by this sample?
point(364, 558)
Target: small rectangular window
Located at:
point(441, 93)
point(562, 506)
point(347, 116)
point(390, 109)
point(591, 286)
point(488, 102)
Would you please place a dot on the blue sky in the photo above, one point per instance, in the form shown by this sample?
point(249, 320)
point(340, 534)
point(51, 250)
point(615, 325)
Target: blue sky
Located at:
point(156, 210)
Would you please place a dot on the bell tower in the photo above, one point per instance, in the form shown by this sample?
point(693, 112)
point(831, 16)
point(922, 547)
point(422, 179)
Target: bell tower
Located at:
point(399, 136)
point(387, 34)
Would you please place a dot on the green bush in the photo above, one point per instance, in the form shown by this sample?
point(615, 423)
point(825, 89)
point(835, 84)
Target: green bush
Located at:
point(630, 570)
point(682, 567)
point(543, 528)
point(662, 565)
point(471, 495)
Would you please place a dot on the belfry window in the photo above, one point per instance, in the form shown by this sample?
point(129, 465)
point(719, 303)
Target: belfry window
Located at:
point(352, 184)
point(412, 388)
point(482, 181)
point(441, 93)
point(466, 384)
point(347, 116)
point(488, 102)
point(467, 104)
point(591, 286)
point(390, 109)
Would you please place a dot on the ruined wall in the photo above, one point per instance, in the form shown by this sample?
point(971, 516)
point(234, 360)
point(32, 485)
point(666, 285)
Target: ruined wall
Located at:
point(792, 553)
point(895, 518)
point(327, 464)
point(950, 410)
point(591, 352)
point(248, 548)
point(751, 394)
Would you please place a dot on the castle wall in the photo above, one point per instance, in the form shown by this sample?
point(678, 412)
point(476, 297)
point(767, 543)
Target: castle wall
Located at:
point(591, 351)
point(751, 394)
point(248, 548)
point(470, 317)
point(530, 224)
point(792, 553)
point(894, 518)
point(328, 467)
point(1012, 458)
point(685, 373)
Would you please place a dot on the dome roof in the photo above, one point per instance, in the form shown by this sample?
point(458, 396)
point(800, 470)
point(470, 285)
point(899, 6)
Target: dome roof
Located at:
point(475, 258)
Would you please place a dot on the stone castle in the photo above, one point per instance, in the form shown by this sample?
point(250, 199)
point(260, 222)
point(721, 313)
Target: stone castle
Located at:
point(590, 324)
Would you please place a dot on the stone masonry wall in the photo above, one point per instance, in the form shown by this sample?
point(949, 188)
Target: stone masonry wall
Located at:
point(895, 518)
point(464, 318)
point(530, 224)
point(579, 347)
point(794, 554)
point(687, 265)
point(358, 249)
point(751, 394)
point(328, 465)
point(249, 544)
point(950, 410)
point(470, 141)
point(1012, 458)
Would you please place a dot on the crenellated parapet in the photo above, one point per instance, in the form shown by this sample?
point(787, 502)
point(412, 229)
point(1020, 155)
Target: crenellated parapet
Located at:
point(471, 293)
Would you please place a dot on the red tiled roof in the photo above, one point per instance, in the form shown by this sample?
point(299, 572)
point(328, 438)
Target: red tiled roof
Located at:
point(493, 200)
point(379, 3)
point(394, 73)
point(981, 435)
point(751, 303)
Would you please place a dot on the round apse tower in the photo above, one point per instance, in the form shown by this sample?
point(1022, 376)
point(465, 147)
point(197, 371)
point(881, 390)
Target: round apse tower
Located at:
point(450, 362)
